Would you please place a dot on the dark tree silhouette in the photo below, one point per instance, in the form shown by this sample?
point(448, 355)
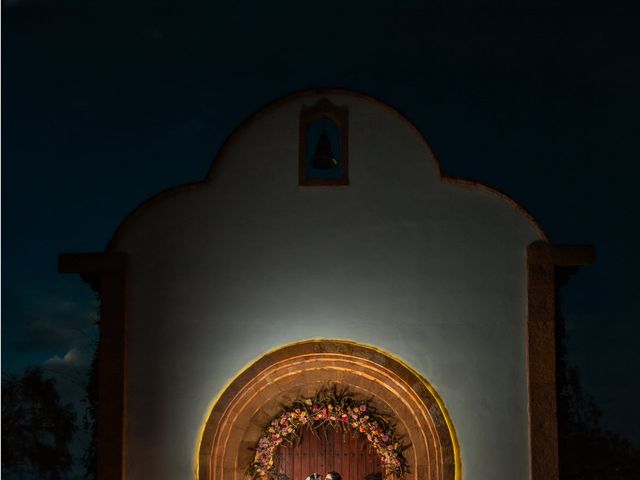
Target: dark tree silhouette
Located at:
point(36, 429)
point(90, 419)
point(587, 451)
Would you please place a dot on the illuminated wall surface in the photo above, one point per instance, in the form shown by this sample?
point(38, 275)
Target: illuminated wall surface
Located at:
point(429, 271)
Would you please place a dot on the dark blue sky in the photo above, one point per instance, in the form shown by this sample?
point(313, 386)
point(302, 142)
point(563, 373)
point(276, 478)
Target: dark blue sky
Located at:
point(107, 103)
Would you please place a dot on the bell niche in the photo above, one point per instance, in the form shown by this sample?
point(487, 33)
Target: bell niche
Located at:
point(323, 145)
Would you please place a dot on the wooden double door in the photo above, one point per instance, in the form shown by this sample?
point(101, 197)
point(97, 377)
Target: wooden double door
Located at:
point(349, 454)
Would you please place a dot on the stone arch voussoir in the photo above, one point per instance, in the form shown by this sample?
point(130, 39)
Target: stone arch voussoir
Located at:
point(284, 375)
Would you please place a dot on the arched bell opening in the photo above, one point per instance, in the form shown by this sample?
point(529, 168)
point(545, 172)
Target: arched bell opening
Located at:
point(283, 376)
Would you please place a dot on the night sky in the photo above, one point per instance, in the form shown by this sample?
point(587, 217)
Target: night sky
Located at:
point(107, 103)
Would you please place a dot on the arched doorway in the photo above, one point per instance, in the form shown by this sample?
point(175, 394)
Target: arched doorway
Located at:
point(256, 396)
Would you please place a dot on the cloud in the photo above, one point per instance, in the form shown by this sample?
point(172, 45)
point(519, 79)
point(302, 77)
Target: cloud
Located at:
point(74, 358)
point(71, 373)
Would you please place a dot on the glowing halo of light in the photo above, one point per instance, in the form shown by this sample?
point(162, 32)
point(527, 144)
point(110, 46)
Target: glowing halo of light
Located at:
point(238, 414)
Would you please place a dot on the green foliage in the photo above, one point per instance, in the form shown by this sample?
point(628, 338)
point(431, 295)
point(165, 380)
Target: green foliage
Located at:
point(90, 419)
point(36, 429)
point(90, 416)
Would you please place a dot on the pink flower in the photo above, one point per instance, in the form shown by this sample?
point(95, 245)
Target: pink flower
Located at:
point(363, 408)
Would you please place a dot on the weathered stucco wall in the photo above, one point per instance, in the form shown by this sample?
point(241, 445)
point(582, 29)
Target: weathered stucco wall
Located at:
point(429, 271)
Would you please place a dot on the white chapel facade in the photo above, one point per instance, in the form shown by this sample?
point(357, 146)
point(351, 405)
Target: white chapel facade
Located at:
point(326, 252)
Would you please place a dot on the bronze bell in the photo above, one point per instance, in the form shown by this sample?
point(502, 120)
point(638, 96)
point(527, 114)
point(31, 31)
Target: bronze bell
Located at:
point(324, 159)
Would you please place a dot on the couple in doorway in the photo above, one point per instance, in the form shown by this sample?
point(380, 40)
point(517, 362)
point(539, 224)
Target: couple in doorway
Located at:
point(337, 476)
point(330, 476)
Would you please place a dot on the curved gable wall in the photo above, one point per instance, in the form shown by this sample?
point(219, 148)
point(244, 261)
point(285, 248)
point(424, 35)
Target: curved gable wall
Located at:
point(429, 271)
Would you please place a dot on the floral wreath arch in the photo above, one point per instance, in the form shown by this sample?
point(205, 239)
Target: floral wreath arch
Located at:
point(329, 408)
